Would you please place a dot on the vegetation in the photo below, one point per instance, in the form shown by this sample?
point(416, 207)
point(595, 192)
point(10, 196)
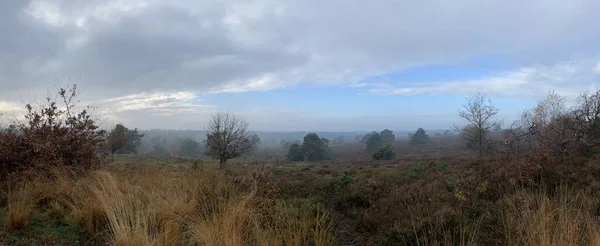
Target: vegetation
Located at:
point(479, 112)
point(374, 142)
point(190, 148)
point(315, 148)
point(227, 137)
point(385, 153)
point(420, 137)
point(117, 139)
point(534, 183)
point(57, 133)
point(295, 153)
point(387, 136)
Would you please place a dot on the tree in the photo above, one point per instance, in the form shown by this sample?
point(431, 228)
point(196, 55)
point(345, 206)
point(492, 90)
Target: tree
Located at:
point(189, 148)
point(387, 136)
point(374, 142)
point(159, 151)
point(227, 137)
point(479, 112)
point(117, 139)
point(255, 139)
point(314, 149)
point(437, 134)
point(420, 137)
point(385, 153)
point(295, 153)
point(367, 136)
point(447, 133)
point(325, 141)
point(285, 144)
point(134, 140)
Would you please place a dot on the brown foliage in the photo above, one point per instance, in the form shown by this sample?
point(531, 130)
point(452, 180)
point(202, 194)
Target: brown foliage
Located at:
point(55, 134)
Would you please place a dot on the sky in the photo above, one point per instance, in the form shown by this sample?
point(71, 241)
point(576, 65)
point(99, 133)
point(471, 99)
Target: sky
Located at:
point(297, 65)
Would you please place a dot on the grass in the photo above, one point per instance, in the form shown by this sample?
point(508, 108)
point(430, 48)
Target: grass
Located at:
point(566, 217)
point(21, 203)
point(157, 205)
point(448, 204)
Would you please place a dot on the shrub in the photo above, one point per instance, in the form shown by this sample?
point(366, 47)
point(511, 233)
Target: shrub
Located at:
point(442, 165)
point(417, 171)
point(55, 134)
point(452, 183)
point(345, 181)
point(385, 153)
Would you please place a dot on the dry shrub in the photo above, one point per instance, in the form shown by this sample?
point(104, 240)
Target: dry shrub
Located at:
point(535, 218)
point(55, 134)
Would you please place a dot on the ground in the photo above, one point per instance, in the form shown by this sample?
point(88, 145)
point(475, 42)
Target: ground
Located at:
point(407, 201)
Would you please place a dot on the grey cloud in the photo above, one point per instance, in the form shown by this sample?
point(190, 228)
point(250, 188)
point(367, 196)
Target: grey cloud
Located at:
point(124, 47)
point(204, 45)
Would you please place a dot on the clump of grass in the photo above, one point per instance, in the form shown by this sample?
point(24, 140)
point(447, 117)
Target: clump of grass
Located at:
point(155, 205)
point(563, 218)
point(21, 203)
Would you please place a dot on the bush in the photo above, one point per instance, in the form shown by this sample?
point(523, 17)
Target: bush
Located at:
point(345, 181)
point(417, 171)
point(385, 153)
point(442, 165)
point(56, 134)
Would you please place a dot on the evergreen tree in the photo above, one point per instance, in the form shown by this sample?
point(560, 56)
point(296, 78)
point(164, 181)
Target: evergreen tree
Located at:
point(420, 137)
point(295, 153)
point(387, 136)
point(314, 149)
point(374, 142)
point(385, 153)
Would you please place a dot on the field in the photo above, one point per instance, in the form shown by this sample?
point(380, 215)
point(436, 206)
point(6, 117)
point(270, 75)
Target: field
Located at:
point(408, 201)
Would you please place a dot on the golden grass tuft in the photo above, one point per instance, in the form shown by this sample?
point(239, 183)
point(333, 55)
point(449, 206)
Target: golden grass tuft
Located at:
point(565, 218)
point(154, 205)
point(21, 203)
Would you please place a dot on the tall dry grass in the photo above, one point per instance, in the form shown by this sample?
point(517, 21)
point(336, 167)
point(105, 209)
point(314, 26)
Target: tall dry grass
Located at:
point(566, 217)
point(152, 205)
point(20, 203)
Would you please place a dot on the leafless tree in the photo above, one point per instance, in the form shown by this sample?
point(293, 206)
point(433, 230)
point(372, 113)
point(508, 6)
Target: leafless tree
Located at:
point(227, 137)
point(586, 119)
point(479, 112)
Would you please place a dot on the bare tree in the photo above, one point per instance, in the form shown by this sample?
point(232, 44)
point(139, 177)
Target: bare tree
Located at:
point(227, 137)
point(550, 124)
point(479, 112)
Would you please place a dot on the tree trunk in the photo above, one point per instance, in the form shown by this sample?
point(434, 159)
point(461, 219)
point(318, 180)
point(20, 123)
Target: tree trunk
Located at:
point(222, 162)
point(112, 156)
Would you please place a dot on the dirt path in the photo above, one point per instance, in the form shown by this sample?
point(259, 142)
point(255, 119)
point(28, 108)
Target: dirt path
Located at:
point(344, 226)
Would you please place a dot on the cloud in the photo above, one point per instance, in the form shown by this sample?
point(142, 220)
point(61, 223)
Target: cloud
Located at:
point(566, 78)
point(231, 46)
point(149, 48)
